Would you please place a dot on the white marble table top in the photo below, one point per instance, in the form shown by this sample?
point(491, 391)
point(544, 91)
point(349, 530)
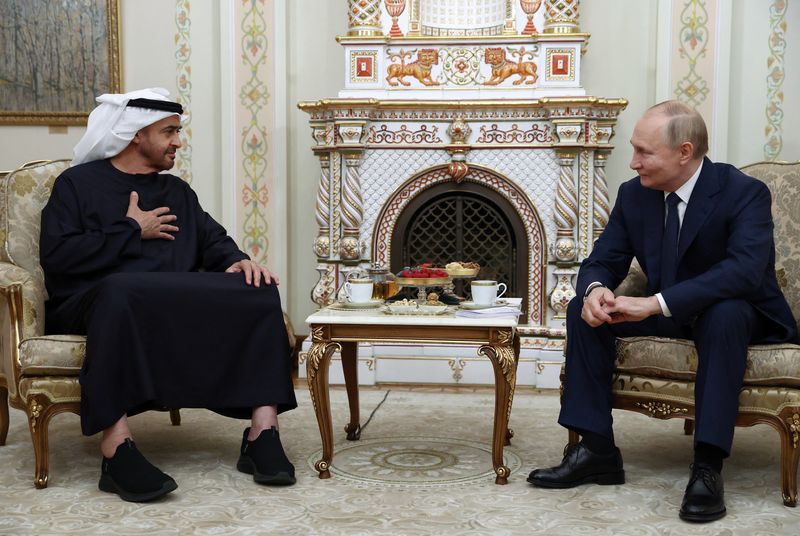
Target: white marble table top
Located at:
point(377, 317)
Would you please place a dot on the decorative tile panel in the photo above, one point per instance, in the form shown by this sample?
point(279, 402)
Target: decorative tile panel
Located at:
point(775, 77)
point(560, 64)
point(183, 55)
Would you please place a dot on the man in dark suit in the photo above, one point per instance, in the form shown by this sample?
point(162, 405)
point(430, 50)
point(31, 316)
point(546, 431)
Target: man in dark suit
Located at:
point(703, 234)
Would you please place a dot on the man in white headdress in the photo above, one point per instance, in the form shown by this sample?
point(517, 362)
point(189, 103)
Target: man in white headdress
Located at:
point(176, 316)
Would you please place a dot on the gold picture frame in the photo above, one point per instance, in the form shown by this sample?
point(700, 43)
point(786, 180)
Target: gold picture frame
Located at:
point(54, 74)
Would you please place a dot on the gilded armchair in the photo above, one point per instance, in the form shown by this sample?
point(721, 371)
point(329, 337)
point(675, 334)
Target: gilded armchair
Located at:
point(38, 373)
point(655, 376)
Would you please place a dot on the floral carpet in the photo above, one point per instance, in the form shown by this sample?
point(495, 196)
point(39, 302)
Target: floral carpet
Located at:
point(422, 466)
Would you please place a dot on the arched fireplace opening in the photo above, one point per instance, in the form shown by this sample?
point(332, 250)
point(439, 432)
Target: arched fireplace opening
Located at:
point(468, 222)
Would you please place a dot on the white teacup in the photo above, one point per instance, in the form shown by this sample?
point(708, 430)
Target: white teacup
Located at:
point(486, 292)
point(358, 290)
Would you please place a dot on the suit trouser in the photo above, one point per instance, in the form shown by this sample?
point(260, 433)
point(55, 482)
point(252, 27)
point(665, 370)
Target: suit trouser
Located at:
point(721, 335)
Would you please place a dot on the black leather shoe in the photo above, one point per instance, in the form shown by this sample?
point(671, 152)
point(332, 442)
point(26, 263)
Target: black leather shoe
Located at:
point(704, 498)
point(132, 477)
point(581, 466)
point(265, 459)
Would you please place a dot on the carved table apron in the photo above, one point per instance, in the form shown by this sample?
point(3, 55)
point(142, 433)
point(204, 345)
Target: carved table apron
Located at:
point(333, 330)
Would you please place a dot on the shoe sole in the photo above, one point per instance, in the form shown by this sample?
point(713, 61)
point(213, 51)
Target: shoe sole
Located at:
point(281, 478)
point(107, 484)
point(603, 479)
point(702, 518)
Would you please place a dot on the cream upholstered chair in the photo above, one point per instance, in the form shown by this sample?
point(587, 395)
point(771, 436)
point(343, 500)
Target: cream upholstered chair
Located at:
point(655, 376)
point(38, 373)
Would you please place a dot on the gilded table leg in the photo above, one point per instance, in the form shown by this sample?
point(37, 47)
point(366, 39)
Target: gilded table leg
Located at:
point(317, 364)
point(504, 355)
point(350, 368)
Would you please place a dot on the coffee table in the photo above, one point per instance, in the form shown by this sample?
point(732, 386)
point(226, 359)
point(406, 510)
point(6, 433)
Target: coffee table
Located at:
point(333, 330)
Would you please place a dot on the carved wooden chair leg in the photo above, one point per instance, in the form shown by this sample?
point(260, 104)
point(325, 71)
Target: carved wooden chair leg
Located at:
point(175, 417)
point(3, 415)
point(39, 413)
point(790, 455)
point(40, 410)
point(688, 427)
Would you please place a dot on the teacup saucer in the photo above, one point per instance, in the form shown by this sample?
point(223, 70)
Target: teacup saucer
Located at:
point(473, 305)
point(371, 304)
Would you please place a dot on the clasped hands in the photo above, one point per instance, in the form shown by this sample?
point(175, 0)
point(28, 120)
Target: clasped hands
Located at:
point(156, 223)
point(602, 307)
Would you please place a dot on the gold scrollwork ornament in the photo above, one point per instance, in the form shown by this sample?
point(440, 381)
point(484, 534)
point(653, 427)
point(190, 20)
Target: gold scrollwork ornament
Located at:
point(35, 411)
point(794, 428)
point(661, 409)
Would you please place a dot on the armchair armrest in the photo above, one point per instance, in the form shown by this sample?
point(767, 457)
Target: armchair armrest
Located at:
point(11, 311)
point(634, 284)
point(31, 312)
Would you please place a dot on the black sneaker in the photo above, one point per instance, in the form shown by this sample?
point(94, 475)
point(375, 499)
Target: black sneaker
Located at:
point(132, 477)
point(265, 459)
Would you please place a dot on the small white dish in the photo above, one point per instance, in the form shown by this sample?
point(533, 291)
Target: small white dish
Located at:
point(473, 305)
point(371, 304)
point(432, 309)
point(402, 308)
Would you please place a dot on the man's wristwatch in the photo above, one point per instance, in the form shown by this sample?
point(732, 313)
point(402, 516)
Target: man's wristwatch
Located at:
point(590, 288)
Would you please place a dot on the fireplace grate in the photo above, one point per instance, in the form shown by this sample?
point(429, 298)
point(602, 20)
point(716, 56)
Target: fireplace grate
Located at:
point(463, 227)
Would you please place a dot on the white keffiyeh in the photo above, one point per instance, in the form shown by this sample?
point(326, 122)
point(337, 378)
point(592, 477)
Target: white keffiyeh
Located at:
point(112, 125)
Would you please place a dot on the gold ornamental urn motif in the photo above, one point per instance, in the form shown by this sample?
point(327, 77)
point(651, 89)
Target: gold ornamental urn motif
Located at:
point(530, 7)
point(395, 8)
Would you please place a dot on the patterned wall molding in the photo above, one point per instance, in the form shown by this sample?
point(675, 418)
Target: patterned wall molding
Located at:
point(252, 126)
point(183, 81)
point(693, 67)
point(776, 72)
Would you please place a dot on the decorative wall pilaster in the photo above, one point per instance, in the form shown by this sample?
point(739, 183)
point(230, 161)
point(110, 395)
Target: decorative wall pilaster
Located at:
point(692, 77)
point(254, 124)
point(775, 77)
point(183, 81)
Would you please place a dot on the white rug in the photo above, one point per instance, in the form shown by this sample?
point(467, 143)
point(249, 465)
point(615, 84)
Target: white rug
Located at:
point(422, 466)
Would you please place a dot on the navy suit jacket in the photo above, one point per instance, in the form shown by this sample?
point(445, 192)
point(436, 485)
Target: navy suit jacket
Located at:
point(725, 251)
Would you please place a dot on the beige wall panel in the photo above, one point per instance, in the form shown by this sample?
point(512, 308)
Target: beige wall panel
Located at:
point(314, 71)
point(614, 67)
point(205, 106)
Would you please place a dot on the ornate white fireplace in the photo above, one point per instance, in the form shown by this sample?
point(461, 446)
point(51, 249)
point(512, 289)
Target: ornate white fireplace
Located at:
point(478, 95)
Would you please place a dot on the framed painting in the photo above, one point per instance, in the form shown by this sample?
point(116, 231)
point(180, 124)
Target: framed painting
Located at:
point(56, 56)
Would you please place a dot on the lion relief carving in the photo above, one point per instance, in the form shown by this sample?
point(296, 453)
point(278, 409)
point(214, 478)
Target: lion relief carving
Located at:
point(420, 69)
point(503, 68)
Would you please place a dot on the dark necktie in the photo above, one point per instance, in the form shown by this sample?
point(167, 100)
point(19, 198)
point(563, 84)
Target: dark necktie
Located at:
point(669, 246)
